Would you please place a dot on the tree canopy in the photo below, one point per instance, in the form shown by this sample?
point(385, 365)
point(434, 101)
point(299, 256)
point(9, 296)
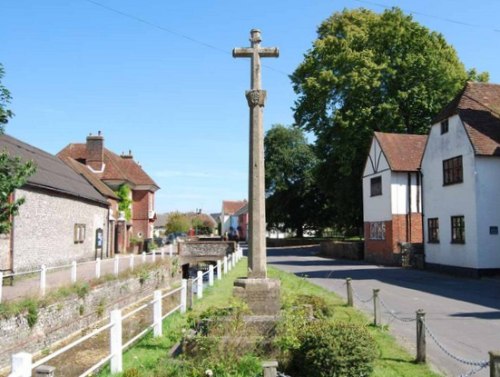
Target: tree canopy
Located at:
point(369, 72)
point(292, 201)
point(13, 172)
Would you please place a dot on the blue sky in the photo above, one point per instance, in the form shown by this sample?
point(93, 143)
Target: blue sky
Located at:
point(167, 87)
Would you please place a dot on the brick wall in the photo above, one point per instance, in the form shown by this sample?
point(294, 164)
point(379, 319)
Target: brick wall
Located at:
point(4, 251)
point(44, 230)
point(339, 249)
point(140, 211)
point(386, 251)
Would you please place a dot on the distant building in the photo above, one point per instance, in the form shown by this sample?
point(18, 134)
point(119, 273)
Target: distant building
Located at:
point(461, 166)
point(115, 170)
point(392, 195)
point(228, 218)
point(64, 218)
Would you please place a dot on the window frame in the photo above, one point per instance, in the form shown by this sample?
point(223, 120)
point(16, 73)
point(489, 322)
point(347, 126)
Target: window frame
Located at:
point(453, 171)
point(457, 229)
point(433, 230)
point(445, 126)
point(378, 186)
point(79, 233)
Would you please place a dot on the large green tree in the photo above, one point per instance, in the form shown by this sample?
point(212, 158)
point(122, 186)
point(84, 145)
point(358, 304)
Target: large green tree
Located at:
point(177, 223)
point(369, 72)
point(292, 201)
point(13, 172)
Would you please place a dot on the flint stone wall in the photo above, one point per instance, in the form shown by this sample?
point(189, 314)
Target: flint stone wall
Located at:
point(342, 250)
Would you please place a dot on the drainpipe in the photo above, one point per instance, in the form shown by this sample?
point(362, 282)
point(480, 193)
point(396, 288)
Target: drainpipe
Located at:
point(422, 209)
point(408, 214)
point(12, 198)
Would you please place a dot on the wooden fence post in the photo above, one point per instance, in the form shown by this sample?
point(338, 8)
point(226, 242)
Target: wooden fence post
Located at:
point(270, 368)
point(376, 308)
point(115, 340)
point(349, 292)
point(420, 336)
point(21, 364)
point(494, 363)
point(131, 262)
point(225, 265)
point(1, 285)
point(157, 311)
point(143, 257)
point(183, 296)
point(219, 270)
point(117, 264)
point(199, 285)
point(73, 272)
point(98, 268)
point(43, 279)
point(211, 275)
point(189, 295)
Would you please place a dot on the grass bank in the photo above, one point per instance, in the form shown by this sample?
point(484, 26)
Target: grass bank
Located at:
point(143, 359)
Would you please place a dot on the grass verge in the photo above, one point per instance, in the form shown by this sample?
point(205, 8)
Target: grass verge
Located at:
point(147, 354)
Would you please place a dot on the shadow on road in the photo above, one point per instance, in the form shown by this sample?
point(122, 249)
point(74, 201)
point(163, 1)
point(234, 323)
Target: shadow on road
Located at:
point(485, 292)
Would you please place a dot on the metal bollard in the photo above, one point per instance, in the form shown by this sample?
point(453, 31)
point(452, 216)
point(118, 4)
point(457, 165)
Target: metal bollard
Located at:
point(376, 308)
point(348, 284)
point(420, 336)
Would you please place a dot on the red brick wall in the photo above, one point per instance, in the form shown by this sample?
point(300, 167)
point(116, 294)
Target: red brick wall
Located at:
point(382, 251)
point(140, 208)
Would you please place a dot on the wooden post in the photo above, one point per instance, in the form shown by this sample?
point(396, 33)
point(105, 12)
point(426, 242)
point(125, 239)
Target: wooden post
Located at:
point(131, 262)
point(98, 268)
point(350, 301)
point(162, 252)
point(219, 270)
point(170, 250)
point(183, 296)
point(43, 279)
point(153, 254)
point(420, 336)
point(157, 311)
point(270, 368)
point(189, 295)
point(21, 364)
point(376, 308)
point(1, 285)
point(225, 265)
point(117, 265)
point(199, 285)
point(73, 272)
point(115, 340)
point(211, 275)
point(494, 363)
point(143, 257)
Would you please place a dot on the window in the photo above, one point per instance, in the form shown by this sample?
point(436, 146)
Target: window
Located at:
point(444, 126)
point(452, 171)
point(457, 229)
point(433, 230)
point(376, 186)
point(79, 233)
point(377, 230)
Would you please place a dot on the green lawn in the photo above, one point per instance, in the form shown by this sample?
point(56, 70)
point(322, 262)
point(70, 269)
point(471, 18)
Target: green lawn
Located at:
point(146, 355)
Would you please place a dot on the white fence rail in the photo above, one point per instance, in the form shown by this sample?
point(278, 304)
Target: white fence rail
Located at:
point(74, 271)
point(22, 362)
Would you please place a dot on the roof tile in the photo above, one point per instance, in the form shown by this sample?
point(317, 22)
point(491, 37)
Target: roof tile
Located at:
point(403, 151)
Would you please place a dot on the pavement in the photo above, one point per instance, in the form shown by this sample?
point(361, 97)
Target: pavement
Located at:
point(463, 314)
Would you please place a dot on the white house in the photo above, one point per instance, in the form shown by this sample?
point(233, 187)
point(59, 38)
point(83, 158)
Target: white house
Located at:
point(461, 183)
point(392, 196)
point(228, 217)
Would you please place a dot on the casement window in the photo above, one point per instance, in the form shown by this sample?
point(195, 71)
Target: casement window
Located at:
point(433, 230)
point(452, 171)
point(376, 186)
point(444, 126)
point(377, 230)
point(457, 229)
point(79, 233)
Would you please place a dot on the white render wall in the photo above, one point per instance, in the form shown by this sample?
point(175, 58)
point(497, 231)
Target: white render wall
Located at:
point(452, 200)
point(376, 208)
point(488, 210)
point(399, 193)
point(44, 230)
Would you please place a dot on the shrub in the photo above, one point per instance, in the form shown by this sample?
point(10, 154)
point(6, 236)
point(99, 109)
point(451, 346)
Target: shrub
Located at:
point(334, 349)
point(320, 307)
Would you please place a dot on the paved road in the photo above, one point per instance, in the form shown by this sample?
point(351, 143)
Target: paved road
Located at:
point(464, 314)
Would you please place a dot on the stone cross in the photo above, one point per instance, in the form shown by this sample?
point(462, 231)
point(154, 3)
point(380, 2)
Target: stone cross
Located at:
point(256, 204)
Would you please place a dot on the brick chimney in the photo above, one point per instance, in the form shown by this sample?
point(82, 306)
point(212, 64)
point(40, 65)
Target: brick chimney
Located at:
point(95, 152)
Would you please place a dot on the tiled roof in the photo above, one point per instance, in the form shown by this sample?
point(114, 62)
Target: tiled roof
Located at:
point(51, 172)
point(116, 167)
point(91, 178)
point(229, 207)
point(478, 106)
point(403, 151)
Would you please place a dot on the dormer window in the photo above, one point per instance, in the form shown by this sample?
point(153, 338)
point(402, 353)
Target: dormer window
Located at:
point(444, 126)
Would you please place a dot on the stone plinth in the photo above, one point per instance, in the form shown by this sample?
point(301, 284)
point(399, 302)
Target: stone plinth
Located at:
point(261, 295)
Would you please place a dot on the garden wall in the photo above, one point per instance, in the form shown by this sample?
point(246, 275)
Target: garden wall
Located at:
point(342, 249)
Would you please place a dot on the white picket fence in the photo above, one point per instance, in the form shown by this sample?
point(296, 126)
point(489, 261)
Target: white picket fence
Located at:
point(73, 268)
point(22, 362)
